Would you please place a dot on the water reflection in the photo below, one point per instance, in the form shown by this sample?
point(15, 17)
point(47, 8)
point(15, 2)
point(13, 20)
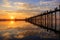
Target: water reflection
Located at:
point(21, 29)
point(15, 27)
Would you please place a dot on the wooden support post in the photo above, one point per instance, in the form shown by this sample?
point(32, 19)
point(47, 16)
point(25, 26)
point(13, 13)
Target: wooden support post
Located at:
point(41, 20)
point(35, 20)
point(47, 20)
point(55, 19)
point(59, 17)
point(51, 20)
point(59, 20)
point(44, 21)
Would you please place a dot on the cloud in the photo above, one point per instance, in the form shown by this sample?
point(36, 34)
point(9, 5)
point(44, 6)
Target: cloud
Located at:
point(6, 4)
point(51, 4)
point(41, 6)
point(48, 4)
point(27, 9)
point(21, 5)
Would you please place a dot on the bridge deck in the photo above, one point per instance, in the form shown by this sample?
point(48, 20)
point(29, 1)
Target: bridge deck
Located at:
point(49, 20)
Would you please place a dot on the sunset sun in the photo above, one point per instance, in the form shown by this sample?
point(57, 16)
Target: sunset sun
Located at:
point(12, 17)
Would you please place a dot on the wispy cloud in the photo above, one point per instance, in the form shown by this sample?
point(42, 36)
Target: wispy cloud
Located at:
point(6, 4)
point(51, 4)
point(29, 8)
point(26, 6)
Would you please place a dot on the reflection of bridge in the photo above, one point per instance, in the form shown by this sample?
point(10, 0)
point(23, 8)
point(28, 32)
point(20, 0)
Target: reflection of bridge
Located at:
point(49, 20)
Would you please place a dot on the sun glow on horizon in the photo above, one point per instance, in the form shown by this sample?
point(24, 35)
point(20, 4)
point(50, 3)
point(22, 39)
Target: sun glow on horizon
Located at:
point(12, 17)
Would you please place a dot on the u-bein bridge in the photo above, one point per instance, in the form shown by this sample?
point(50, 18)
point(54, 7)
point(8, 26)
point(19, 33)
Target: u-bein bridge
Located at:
point(49, 20)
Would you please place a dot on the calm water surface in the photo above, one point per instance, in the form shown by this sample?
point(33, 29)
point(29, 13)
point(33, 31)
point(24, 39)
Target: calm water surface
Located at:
point(21, 29)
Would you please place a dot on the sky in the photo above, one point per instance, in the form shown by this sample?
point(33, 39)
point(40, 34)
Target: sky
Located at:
point(25, 8)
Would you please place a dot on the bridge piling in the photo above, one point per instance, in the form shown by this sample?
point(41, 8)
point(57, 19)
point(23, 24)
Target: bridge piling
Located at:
point(49, 20)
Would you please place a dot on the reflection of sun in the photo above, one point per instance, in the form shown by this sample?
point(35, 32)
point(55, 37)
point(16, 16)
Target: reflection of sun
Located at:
point(12, 22)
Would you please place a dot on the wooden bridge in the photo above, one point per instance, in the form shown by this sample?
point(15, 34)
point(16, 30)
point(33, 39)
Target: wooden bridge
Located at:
point(49, 20)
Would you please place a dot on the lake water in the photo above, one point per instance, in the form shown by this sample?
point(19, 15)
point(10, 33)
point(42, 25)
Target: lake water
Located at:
point(22, 29)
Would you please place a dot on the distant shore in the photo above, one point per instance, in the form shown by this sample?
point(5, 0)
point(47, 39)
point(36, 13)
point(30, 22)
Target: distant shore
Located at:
point(12, 19)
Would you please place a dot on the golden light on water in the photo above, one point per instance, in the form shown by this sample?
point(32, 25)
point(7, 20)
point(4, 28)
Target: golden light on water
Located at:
point(11, 22)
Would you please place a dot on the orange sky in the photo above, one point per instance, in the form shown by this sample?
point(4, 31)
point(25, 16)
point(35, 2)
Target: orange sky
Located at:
point(9, 14)
point(24, 9)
